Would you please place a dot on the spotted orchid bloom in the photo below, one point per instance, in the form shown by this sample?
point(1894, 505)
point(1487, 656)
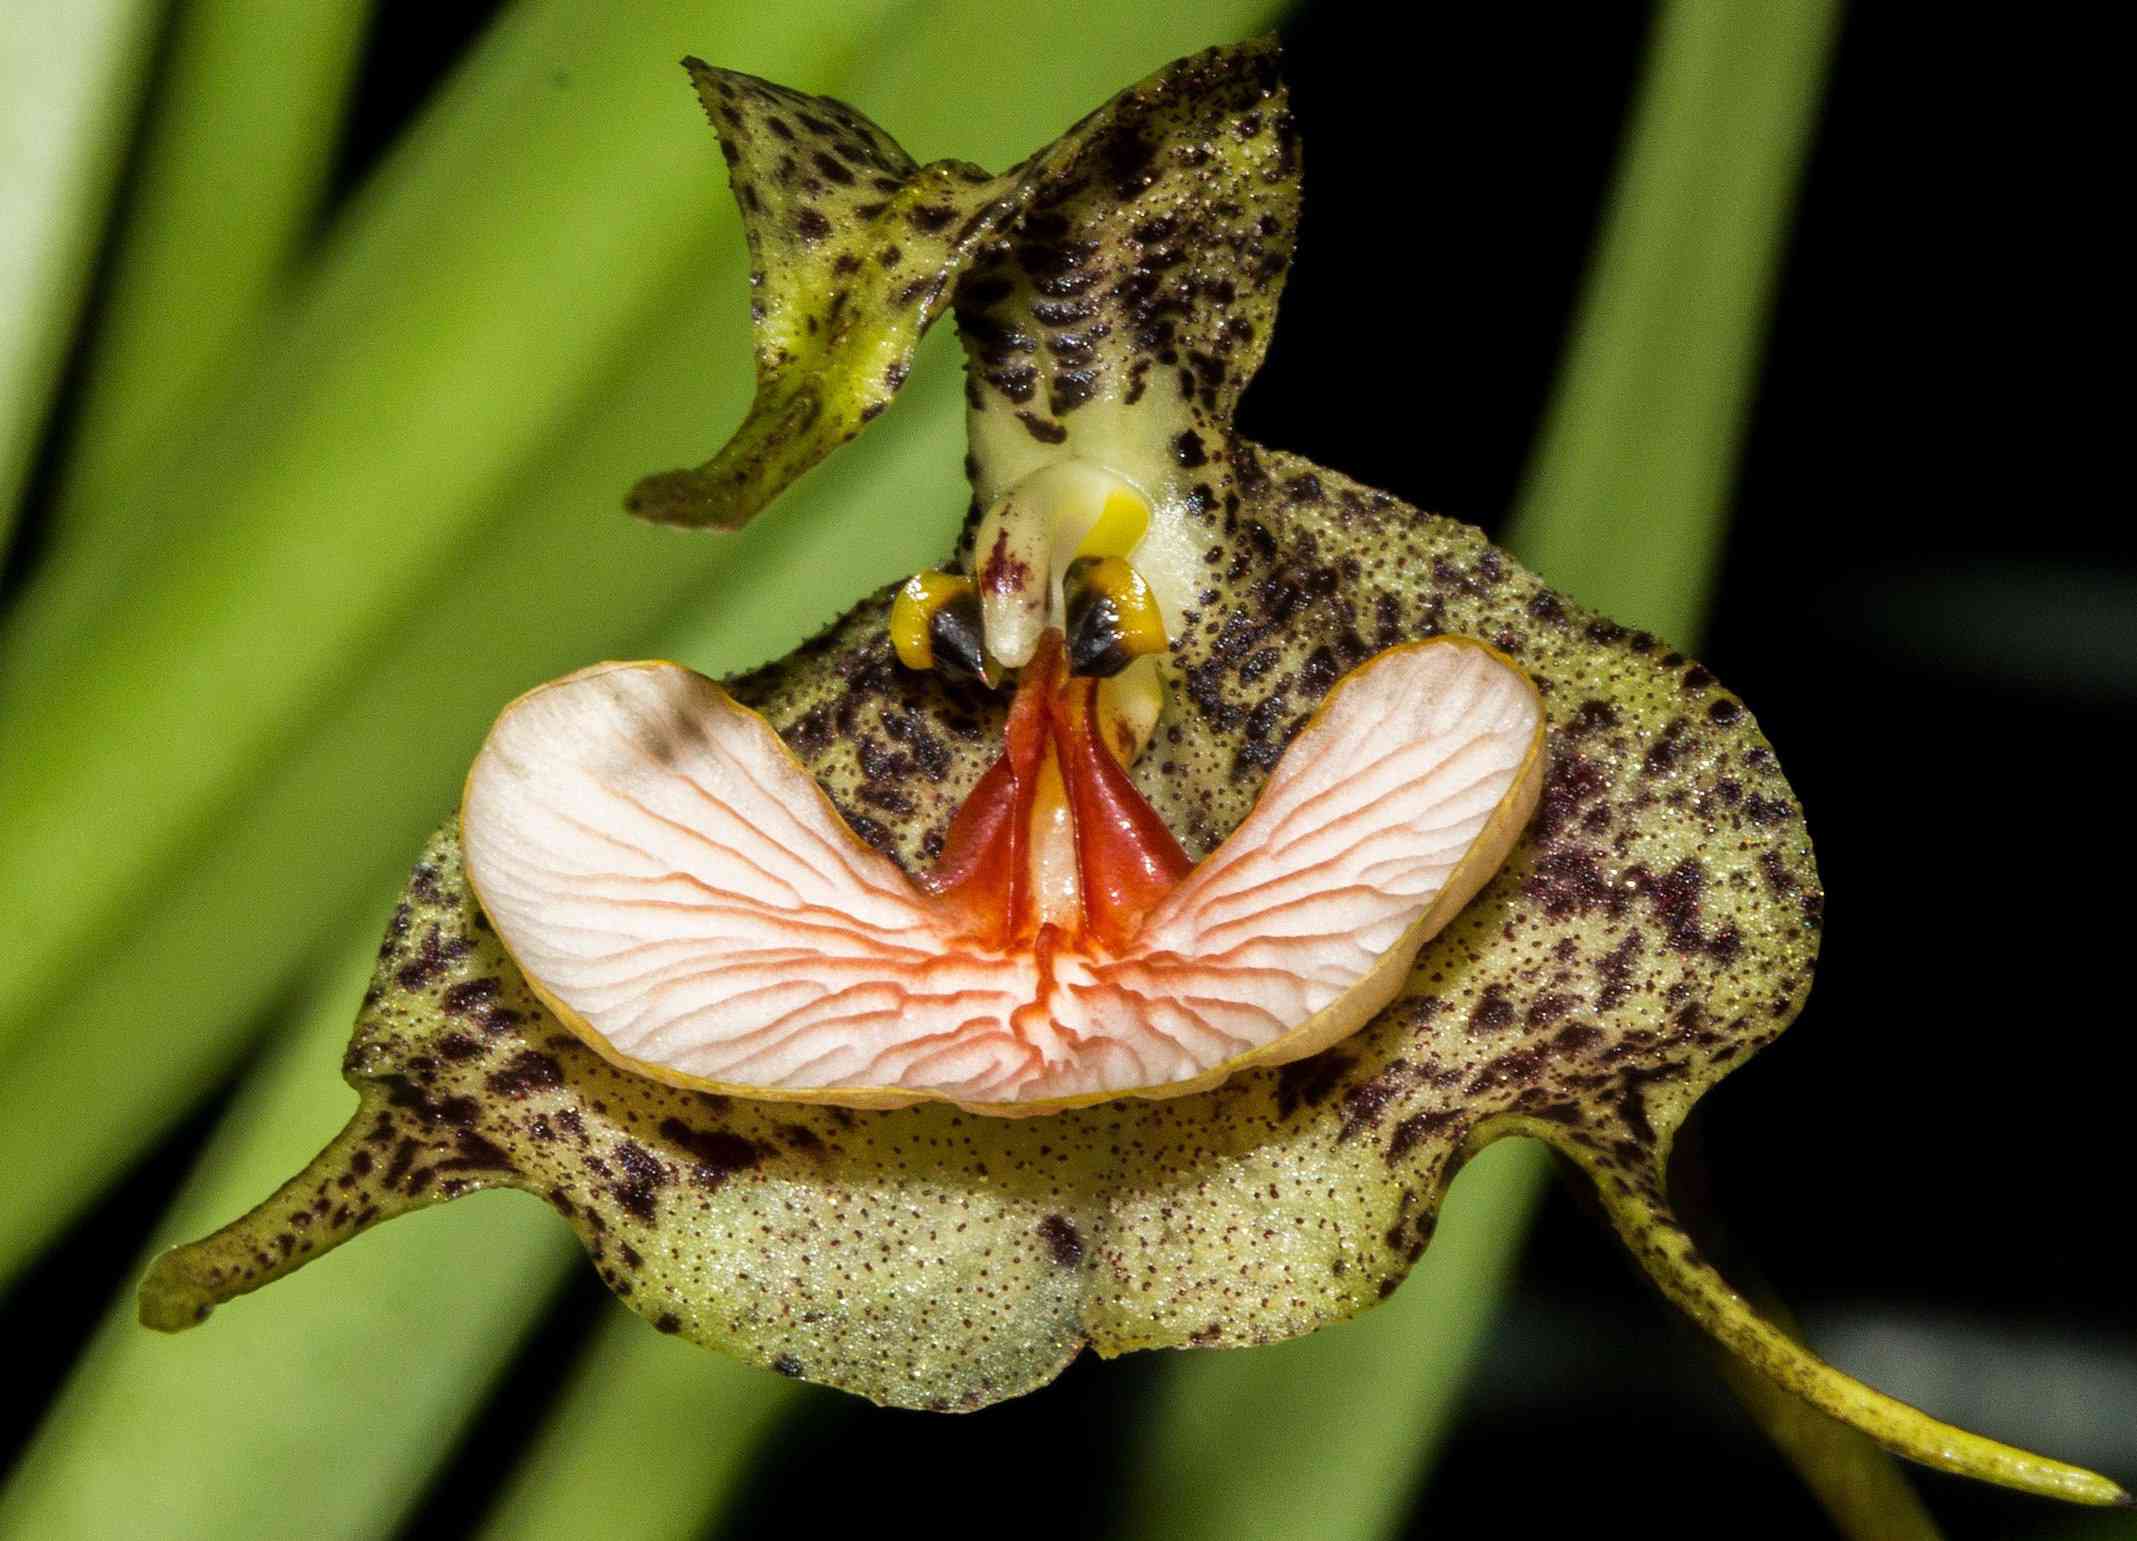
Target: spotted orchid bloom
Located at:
point(1119, 936)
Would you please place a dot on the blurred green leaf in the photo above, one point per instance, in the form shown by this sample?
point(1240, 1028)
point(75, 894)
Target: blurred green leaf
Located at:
point(2047, 627)
point(1626, 499)
point(246, 118)
point(71, 79)
point(650, 1439)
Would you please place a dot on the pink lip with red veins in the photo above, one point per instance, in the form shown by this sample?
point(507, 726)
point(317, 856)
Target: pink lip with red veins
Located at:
point(689, 901)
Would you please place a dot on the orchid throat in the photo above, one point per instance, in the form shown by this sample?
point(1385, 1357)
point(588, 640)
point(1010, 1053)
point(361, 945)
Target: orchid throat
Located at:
point(1055, 837)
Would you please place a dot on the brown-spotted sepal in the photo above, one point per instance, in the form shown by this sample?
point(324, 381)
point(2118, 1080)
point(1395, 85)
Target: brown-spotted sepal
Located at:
point(855, 250)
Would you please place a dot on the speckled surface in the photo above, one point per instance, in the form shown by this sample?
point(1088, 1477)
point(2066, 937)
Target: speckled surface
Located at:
point(1656, 924)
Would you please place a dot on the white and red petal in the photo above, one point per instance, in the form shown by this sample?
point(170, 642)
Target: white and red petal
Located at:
point(686, 897)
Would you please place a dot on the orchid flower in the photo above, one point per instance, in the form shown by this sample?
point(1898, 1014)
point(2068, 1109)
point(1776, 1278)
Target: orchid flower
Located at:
point(1316, 846)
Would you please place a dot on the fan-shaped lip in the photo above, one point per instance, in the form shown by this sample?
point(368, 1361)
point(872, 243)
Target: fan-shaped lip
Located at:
point(1343, 1016)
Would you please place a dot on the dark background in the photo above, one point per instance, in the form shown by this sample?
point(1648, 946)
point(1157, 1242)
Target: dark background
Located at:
point(1930, 601)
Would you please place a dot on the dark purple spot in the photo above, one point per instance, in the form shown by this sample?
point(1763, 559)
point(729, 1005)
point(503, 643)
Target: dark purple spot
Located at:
point(1570, 881)
point(717, 1154)
point(1309, 1082)
point(1767, 811)
point(1364, 1103)
point(1571, 781)
point(1546, 1009)
point(429, 962)
point(1615, 971)
point(467, 996)
point(1003, 573)
point(472, 1152)
point(1667, 750)
point(1577, 1037)
point(1675, 899)
point(404, 1157)
point(1063, 1244)
point(642, 1174)
point(1518, 1067)
point(1417, 1127)
point(528, 1071)
point(1493, 1011)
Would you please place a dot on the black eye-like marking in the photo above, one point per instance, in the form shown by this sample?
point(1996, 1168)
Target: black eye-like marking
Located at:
point(957, 639)
point(935, 623)
point(1113, 618)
